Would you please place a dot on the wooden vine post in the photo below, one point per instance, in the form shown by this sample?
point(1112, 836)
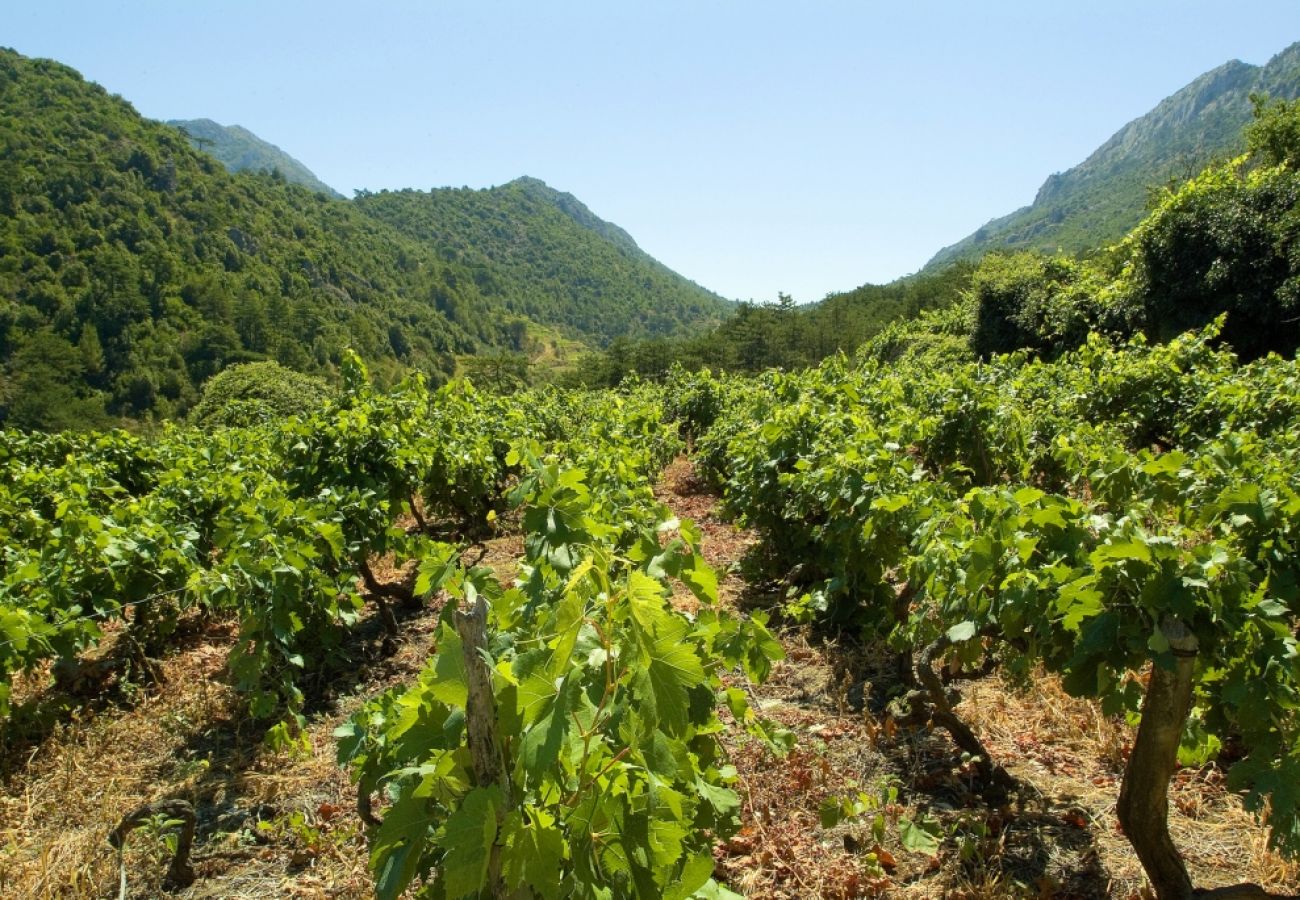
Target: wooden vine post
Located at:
point(480, 723)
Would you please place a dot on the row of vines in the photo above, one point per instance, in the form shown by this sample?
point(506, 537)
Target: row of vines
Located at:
point(563, 741)
point(1126, 517)
point(120, 534)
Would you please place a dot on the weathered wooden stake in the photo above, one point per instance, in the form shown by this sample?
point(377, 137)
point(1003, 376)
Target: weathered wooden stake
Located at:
point(481, 722)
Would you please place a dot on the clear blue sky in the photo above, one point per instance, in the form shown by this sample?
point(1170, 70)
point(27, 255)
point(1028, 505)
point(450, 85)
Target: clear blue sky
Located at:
point(755, 147)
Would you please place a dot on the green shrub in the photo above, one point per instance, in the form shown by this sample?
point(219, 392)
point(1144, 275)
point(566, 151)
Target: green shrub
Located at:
point(254, 393)
point(1225, 242)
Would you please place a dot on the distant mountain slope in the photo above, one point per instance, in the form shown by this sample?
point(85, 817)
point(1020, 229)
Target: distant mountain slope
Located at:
point(1100, 199)
point(239, 149)
point(133, 267)
point(550, 258)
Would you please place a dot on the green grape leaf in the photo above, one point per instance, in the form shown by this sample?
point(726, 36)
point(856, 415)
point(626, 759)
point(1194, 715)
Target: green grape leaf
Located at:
point(1121, 550)
point(695, 875)
point(399, 843)
point(1198, 745)
point(701, 579)
point(532, 852)
point(449, 683)
point(711, 890)
point(467, 837)
point(918, 837)
point(543, 740)
point(1077, 601)
point(671, 670)
point(962, 631)
point(1275, 776)
point(724, 800)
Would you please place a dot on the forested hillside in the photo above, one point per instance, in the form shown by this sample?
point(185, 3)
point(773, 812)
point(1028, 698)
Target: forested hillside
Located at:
point(782, 333)
point(239, 149)
point(133, 268)
point(554, 259)
point(1100, 199)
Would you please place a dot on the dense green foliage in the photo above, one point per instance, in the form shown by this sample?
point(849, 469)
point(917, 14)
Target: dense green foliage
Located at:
point(1223, 244)
point(940, 335)
point(1058, 514)
point(1274, 136)
point(1033, 513)
point(238, 149)
point(257, 393)
point(605, 703)
point(1226, 242)
point(550, 258)
point(1038, 303)
point(1097, 201)
point(276, 521)
point(133, 268)
point(605, 696)
point(782, 334)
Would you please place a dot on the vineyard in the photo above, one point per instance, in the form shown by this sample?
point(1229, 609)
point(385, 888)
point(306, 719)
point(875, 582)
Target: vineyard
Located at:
point(507, 664)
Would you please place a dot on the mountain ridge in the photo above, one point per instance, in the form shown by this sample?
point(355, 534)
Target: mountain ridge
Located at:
point(541, 248)
point(239, 149)
point(1098, 200)
point(576, 210)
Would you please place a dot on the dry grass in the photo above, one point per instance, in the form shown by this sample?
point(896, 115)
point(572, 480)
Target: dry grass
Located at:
point(269, 824)
point(782, 851)
point(1060, 840)
point(1073, 755)
point(724, 545)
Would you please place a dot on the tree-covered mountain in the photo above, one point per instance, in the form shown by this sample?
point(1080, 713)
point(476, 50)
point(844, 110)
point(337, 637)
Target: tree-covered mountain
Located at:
point(782, 334)
point(1099, 200)
point(551, 258)
point(238, 149)
point(133, 268)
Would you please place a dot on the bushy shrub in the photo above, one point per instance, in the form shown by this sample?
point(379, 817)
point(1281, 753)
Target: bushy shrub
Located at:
point(1027, 301)
point(941, 335)
point(1225, 242)
point(254, 393)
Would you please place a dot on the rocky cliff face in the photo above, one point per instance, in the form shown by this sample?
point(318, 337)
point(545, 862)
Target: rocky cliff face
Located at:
point(1104, 196)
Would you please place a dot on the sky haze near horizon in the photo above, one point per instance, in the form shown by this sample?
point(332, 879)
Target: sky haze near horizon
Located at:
point(753, 147)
